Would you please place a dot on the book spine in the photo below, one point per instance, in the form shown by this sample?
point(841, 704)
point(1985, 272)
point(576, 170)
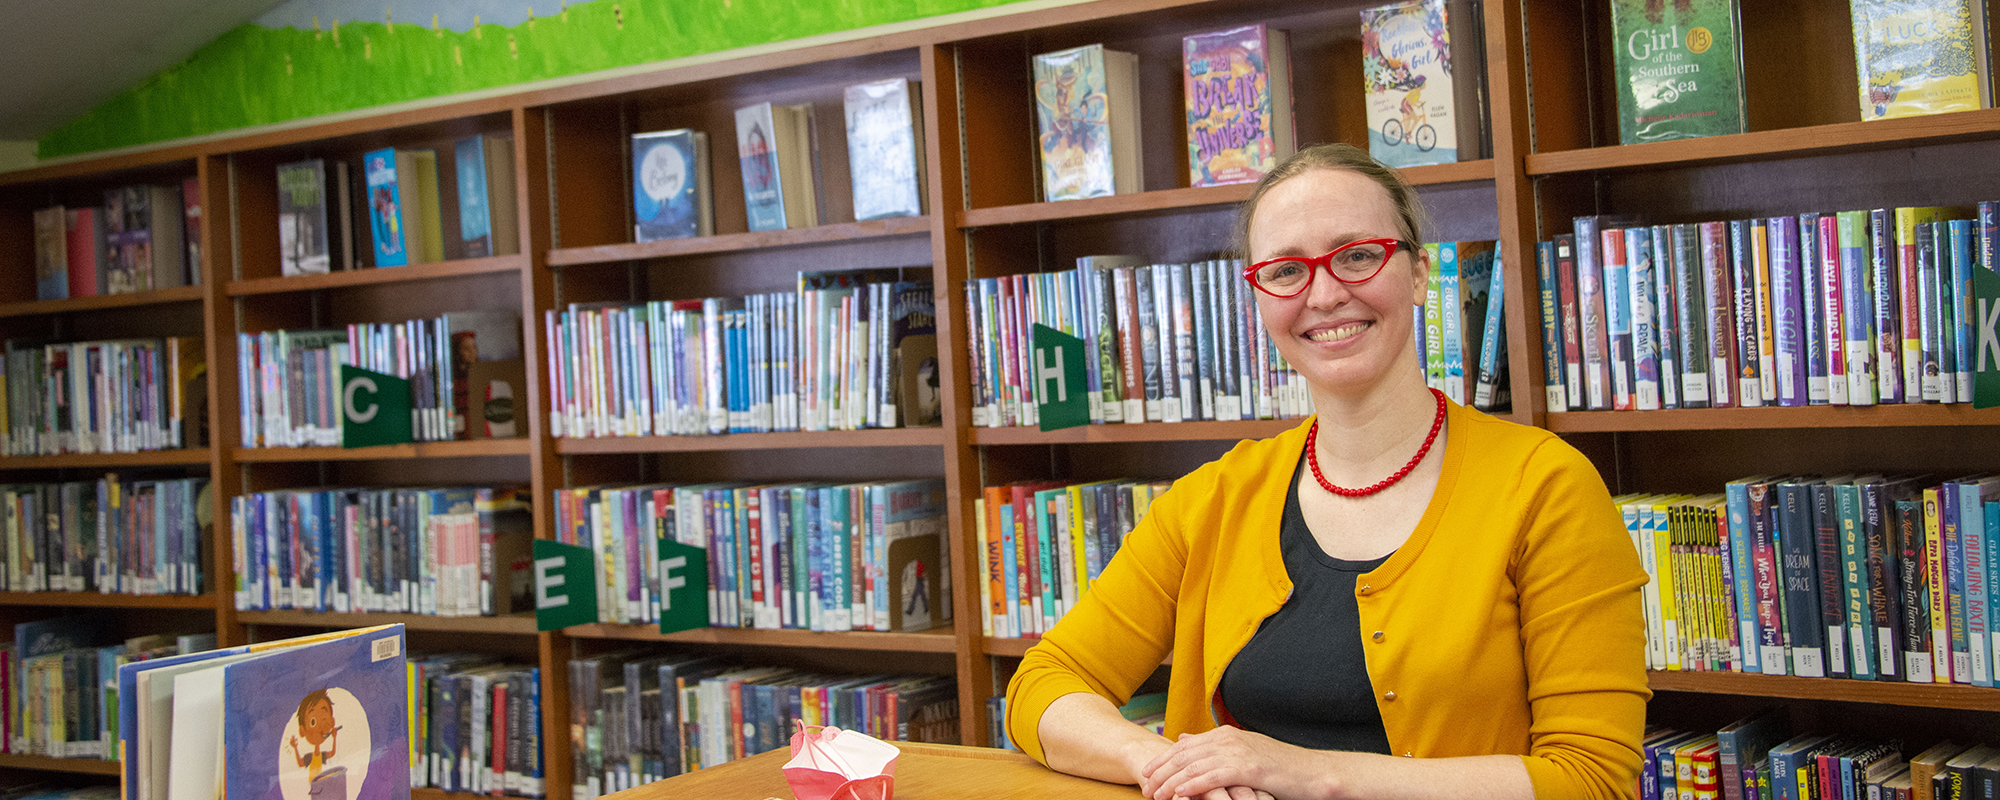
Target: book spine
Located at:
point(1856, 583)
point(1713, 238)
point(1812, 319)
point(1921, 361)
point(1597, 352)
point(1857, 304)
point(1611, 253)
point(1914, 592)
point(1734, 528)
point(1788, 312)
point(1934, 577)
point(1964, 333)
point(1883, 253)
point(1749, 357)
point(1760, 265)
point(1572, 323)
point(1952, 542)
point(1666, 324)
point(1804, 628)
point(1556, 398)
point(1823, 524)
point(1691, 316)
point(1971, 516)
point(1493, 344)
point(1643, 323)
point(1882, 589)
point(1833, 327)
point(1900, 304)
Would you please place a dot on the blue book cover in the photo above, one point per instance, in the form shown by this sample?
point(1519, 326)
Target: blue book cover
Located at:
point(756, 148)
point(1790, 759)
point(1666, 325)
point(475, 219)
point(1961, 309)
point(1642, 318)
point(1552, 331)
point(1449, 302)
point(1617, 315)
point(1488, 390)
point(1951, 536)
point(334, 712)
point(669, 175)
point(385, 216)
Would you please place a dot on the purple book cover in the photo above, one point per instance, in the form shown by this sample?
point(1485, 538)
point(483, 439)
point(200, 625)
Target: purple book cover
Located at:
point(1788, 310)
point(325, 721)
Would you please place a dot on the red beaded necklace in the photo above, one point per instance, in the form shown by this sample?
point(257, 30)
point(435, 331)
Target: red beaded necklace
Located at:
point(1312, 457)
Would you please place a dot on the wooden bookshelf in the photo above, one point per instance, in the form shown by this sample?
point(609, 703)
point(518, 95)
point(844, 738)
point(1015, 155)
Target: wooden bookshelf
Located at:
point(178, 294)
point(80, 766)
point(740, 242)
point(1922, 695)
point(1689, 419)
point(387, 452)
point(101, 600)
point(144, 458)
point(793, 440)
point(1844, 137)
point(510, 624)
point(1141, 432)
point(377, 276)
point(933, 641)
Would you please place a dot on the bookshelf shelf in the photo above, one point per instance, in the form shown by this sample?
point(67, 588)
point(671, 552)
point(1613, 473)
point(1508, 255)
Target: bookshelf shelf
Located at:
point(1147, 432)
point(937, 640)
point(100, 600)
point(1164, 200)
point(148, 458)
point(376, 276)
point(732, 242)
point(1841, 137)
point(427, 793)
point(884, 437)
point(1882, 416)
point(1008, 646)
point(511, 624)
point(84, 766)
point(386, 452)
point(1925, 695)
point(30, 308)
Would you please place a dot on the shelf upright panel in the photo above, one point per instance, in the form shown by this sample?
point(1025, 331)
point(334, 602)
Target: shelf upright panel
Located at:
point(221, 254)
point(1507, 96)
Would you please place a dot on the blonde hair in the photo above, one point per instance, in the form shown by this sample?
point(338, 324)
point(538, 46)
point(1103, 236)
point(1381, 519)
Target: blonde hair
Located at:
point(1410, 216)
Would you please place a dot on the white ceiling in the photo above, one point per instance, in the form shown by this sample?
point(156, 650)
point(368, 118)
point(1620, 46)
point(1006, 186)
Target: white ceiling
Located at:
point(62, 58)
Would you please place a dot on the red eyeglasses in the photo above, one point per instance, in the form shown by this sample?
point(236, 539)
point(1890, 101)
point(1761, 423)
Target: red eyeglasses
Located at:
point(1353, 263)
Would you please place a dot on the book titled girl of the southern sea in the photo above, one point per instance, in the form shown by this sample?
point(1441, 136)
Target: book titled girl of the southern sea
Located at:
point(1679, 69)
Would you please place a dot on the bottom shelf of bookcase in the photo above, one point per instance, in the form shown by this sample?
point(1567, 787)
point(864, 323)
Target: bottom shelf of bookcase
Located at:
point(87, 766)
point(1923, 695)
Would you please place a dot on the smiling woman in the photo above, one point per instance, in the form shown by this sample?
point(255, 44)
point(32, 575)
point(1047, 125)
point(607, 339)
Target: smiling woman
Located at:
point(1465, 622)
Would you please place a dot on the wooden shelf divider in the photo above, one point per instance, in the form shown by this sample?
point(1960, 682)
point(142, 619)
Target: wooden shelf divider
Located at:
point(1926, 695)
point(1145, 432)
point(103, 600)
point(786, 440)
point(1163, 200)
point(1841, 137)
point(1685, 419)
point(376, 276)
point(511, 624)
point(737, 242)
point(82, 766)
point(145, 458)
point(461, 449)
point(936, 640)
point(29, 308)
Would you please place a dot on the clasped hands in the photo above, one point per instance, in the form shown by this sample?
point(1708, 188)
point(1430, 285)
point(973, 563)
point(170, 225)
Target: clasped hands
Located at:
point(1230, 763)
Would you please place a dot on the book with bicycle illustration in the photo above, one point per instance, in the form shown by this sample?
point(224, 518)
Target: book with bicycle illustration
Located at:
point(1422, 66)
point(1679, 69)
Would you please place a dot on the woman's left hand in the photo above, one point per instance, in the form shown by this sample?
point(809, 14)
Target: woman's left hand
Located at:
point(1229, 756)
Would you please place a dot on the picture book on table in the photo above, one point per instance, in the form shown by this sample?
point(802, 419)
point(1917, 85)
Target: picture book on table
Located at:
point(670, 185)
point(385, 215)
point(1679, 69)
point(1238, 95)
point(883, 153)
point(325, 721)
point(302, 218)
point(1406, 70)
point(1073, 119)
point(1921, 57)
point(757, 150)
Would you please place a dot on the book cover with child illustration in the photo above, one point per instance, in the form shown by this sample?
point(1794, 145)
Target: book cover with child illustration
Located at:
point(324, 722)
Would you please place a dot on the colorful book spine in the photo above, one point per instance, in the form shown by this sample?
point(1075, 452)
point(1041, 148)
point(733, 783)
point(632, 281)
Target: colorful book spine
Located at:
point(1788, 312)
point(1617, 315)
point(1857, 306)
point(1553, 369)
point(1833, 328)
point(1666, 321)
point(1720, 289)
point(1691, 316)
point(1812, 307)
point(1760, 265)
point(1747, 336)
point(1642, 310)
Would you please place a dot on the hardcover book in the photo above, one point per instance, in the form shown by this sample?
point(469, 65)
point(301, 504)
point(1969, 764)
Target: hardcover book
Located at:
point(385, 213)
point(774, 145)
point(51, 254)
point(334, 712)
point(1420, 72)
point(1087, 126)
point(302, 218)
point(403, 206)
point(86, 251)
point(1238, 93)
point(488, 221)
point(143, 238)
point(1679, 69)
point(885, 154)
point(1920, 57)
point(670, 185)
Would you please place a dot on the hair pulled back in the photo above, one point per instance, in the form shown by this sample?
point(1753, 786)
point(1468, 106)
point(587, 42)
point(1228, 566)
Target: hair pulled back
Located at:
point(1410, 216)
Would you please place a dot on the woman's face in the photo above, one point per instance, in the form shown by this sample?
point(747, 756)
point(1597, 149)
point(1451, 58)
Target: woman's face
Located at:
point(1342, 338)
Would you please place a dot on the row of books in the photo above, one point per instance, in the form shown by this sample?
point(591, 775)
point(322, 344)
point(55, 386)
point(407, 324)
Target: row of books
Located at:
point(638, 719)
point(111, 536)
point(452, 552)
point(1759, 758)
point(143, 238)
point(1461, 329)
point(390, 214)
point(1848, 308)
point(821, 557)
point(58, 684)
point(120, 396)
point(1148, 711)
point(465, 371)
point(847, 350)
point(476, 725)
point(1046, 541)
point(1678, 70)
point(778, 148)
point(1866, 577)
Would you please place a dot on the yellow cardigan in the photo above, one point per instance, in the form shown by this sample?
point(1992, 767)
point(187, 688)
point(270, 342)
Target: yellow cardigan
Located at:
point(1508, 623)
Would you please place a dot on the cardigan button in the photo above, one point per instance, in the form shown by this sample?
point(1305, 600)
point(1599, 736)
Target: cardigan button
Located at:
point(1378, 636)
point(1366, 588)
point(1389, 696)
point(1407, 754)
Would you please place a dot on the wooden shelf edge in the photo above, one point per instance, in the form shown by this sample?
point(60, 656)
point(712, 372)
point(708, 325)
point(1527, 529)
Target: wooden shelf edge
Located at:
point(730, 242)
point(514, 624)
point(1813, 140)
point(1924, 695)
point(87, 766)
point(28, 308)
point(204, 602)
point(1148, 432)
point(1188, 197)
point(1880, 416)
point(936, 640)
point(1007, 646)
point(428, 793)
point(465, 449)
point(375, 275)
point(148, 458)
point(881, 437)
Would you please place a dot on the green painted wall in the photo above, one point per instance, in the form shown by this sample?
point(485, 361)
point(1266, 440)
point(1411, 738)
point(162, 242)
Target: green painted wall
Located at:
point(258, 76)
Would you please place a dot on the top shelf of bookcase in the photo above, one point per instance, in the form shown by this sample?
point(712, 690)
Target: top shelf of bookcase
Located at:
point(1843, 137)
point(1691, 419)
point(734, 242)
point(30, 308)
point(1196, 197)
point(376, 275)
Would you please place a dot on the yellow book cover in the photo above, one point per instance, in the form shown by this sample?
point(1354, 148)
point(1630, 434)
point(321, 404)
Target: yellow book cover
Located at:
point(1920, 57)
point(1940, 610)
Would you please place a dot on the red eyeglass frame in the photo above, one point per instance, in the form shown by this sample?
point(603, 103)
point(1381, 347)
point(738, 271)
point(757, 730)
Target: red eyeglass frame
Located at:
point(1325, 262)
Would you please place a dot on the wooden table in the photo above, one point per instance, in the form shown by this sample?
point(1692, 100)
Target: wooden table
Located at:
point(923, 772)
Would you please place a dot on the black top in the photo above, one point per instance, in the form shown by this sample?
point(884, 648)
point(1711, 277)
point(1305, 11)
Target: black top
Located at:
point(1303, 678)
